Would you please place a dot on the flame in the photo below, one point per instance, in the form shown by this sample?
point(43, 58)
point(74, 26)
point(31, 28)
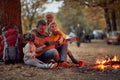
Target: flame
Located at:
point(101, 63)
point(101, 66)
point(116, 66)
point(115, 58)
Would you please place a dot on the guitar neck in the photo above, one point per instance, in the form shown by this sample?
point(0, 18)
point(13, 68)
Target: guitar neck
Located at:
point(72, 39)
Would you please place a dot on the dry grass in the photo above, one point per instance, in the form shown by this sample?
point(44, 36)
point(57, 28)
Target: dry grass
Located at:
point(88, 52)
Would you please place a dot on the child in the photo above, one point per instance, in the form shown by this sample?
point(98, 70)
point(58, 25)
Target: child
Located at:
point(30, 53)
point(56, 34)
point(60, 37)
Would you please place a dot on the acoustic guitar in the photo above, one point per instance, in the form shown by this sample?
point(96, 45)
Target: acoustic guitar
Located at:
point(40, 42)
point(66, 40)
point(52, 44)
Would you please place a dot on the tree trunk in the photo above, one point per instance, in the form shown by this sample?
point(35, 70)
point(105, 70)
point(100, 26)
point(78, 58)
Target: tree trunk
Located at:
point(114, 20)
point(10, 13)
point(107, 19)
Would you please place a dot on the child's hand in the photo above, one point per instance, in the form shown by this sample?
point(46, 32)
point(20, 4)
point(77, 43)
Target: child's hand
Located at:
point(43, 46)
point(61, 40)
point(40, 48)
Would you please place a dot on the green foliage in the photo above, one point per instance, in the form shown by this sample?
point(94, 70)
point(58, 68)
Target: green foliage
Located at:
point(89, 13)
point(89, 18)
point(31, 10)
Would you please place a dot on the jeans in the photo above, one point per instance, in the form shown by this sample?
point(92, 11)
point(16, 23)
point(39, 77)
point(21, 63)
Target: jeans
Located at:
point(47, 56)
point(36, 62)
point(63, 52)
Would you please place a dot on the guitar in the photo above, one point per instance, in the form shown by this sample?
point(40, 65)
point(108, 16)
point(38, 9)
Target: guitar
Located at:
point(72, 39)
point(52, 44)
point(40, 42)
point(66, 40)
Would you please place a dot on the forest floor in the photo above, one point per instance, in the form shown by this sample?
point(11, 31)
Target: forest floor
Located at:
point(88, 52)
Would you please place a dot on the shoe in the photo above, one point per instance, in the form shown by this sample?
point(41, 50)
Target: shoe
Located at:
point(53, 66)
point(65, 65)
point(81, 63)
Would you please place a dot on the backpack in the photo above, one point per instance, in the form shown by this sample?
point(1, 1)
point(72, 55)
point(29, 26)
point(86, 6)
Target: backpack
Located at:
point(10, 49)
point(0, 49)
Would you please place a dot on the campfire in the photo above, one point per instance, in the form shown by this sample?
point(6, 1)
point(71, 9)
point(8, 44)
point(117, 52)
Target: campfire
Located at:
point(107, 63)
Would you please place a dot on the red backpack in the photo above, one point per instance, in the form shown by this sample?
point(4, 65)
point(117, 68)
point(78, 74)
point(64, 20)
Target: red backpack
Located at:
point(11, 45)
point(0, 48)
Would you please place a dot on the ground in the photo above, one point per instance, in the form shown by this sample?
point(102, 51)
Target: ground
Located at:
point(88, 52)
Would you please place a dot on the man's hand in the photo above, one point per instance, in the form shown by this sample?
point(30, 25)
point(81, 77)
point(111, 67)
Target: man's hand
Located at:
point(47, 43)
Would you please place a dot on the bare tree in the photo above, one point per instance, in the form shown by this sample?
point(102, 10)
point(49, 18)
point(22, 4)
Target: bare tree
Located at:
point(30, 11)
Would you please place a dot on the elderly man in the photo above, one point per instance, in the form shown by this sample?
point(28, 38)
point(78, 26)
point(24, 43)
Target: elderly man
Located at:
point(49, 20)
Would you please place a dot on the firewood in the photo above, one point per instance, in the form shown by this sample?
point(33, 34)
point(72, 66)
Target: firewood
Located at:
point(112, 63)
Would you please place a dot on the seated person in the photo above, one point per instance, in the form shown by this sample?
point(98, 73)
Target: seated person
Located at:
point(62, 45)
point(30, 53)
point(41, 37)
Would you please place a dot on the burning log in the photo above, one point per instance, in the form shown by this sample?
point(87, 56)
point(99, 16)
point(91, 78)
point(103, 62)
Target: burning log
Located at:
point(112, 63)
point(107, 63)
